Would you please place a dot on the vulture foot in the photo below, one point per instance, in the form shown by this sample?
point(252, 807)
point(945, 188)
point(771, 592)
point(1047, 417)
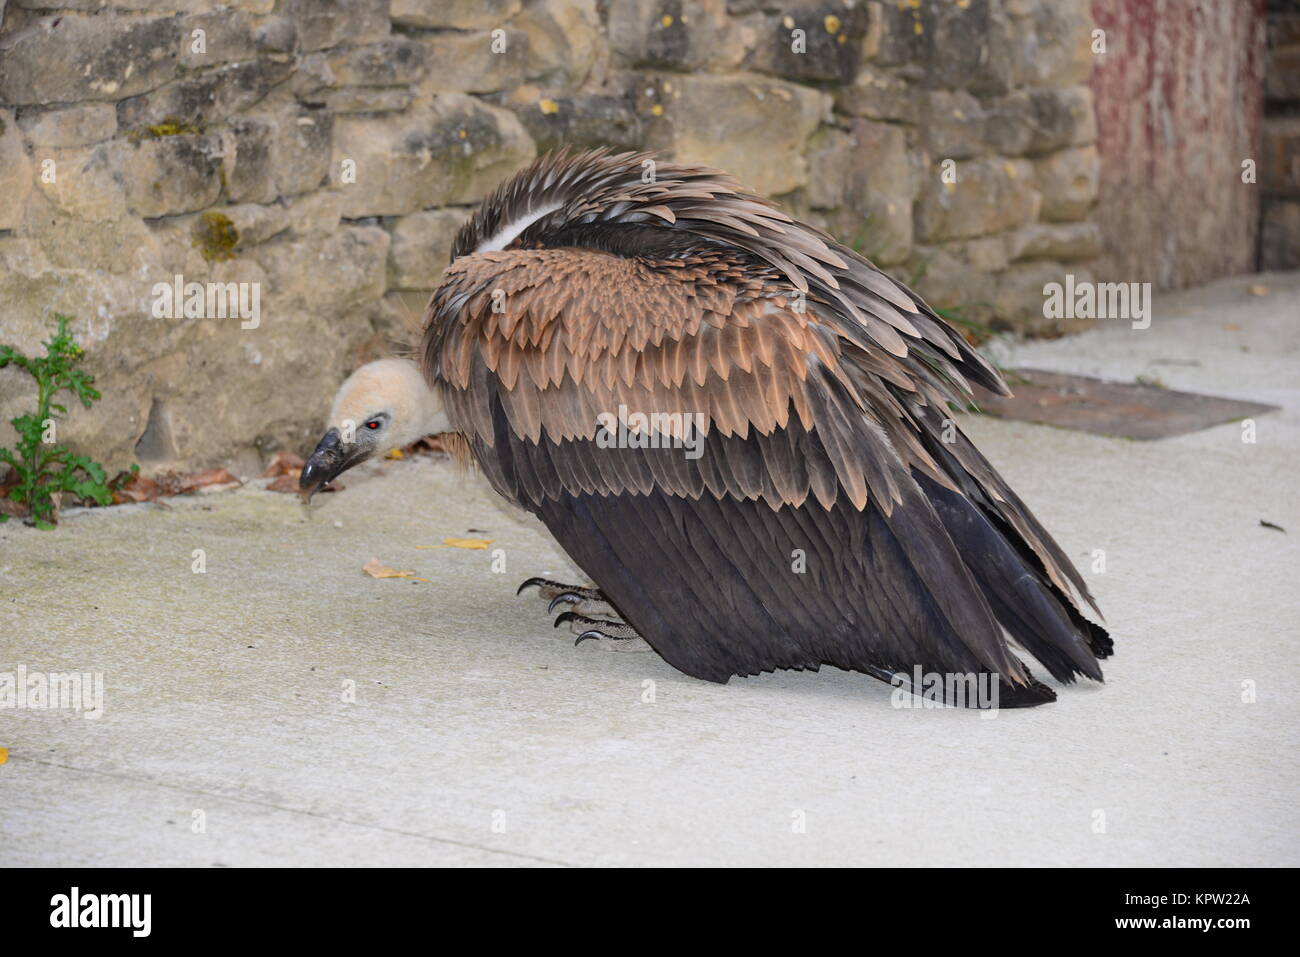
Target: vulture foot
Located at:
point(588, 613)
point(586, 628)
point(583, 600)
point(550, 589)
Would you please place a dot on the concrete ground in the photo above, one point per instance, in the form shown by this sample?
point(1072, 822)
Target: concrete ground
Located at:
point(478, 735)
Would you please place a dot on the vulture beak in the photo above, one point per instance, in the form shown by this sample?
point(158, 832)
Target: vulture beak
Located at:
point(330, 459)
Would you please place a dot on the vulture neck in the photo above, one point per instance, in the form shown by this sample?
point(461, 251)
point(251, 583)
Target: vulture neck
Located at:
point(433, 414)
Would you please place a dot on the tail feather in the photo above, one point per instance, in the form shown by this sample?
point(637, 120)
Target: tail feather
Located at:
point(1032, 610)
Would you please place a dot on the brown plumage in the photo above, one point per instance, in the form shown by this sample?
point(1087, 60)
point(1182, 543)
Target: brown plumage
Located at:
point(823, 389)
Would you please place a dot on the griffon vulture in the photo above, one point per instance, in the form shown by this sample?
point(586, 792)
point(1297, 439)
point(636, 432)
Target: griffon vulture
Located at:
point(737, 427)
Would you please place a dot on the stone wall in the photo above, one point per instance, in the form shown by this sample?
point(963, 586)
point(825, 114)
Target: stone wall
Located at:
point(1279, 234)
point(326, 150)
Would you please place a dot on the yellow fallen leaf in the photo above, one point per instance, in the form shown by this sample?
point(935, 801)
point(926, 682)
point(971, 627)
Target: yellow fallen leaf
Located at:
point(377, 569)
point(4, 755)
point(1257, 290)
point(396, 454)
point(479, 543)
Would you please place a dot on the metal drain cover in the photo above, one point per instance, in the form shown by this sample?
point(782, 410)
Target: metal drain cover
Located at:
point(1123, 409)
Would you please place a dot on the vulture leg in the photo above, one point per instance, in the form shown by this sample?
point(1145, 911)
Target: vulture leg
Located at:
point(586, 628)
point(581, 598)
point(552, 589)
point(590, 614)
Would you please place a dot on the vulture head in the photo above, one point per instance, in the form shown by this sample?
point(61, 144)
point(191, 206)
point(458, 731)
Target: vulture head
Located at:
point(384, 405)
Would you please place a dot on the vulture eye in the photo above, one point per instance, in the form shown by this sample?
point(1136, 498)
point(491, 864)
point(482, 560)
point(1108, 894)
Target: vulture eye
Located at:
point(373, 424)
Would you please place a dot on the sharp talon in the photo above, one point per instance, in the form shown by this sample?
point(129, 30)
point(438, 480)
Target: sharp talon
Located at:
point(567, 598)
point(588, 634)
point(539, 582)
point(565, 616)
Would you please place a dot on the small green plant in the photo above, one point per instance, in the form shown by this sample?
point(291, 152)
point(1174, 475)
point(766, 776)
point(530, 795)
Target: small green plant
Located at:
point(41, 467)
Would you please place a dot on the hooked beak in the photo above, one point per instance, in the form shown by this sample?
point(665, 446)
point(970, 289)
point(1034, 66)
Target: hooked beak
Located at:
point(331, 459)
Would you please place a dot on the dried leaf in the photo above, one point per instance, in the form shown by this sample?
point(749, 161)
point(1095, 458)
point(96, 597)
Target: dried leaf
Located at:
point(1257, 289)
point(136, 488)
point(289, 483)
point(476, 543)
point(284, 463)
point(377, 569)
point(212, 480)
point(428, 444)
point(169, 483)
point(285, 483)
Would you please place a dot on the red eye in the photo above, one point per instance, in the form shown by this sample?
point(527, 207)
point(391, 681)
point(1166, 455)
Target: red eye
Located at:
point(373, 424)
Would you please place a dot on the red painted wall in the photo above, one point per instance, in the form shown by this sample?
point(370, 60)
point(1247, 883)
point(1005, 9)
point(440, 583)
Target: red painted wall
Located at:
point(1179, 99)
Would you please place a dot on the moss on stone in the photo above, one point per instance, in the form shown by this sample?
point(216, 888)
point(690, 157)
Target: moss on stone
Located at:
point(215, 236)
point(170, 126)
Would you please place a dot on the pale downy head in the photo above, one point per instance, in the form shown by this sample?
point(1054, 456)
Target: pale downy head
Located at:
point(384, 405)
